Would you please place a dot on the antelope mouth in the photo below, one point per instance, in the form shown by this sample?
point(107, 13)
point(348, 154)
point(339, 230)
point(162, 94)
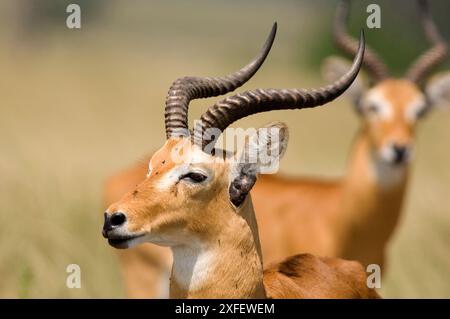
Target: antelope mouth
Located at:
point(124, 242)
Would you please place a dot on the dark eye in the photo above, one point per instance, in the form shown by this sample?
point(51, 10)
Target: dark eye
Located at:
point(373, 108)
point(194, 177)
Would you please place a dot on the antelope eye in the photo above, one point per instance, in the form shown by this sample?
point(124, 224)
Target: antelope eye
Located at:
point(373, 108)
point(194, 177)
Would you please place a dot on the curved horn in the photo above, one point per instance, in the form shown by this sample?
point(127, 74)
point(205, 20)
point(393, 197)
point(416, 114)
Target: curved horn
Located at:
point(372, 62)
point(433, 56)
point(185, 89)
point(223, 113)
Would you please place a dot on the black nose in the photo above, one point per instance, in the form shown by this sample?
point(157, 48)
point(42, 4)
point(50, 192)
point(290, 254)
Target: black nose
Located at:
point(400, 153)
point(112, 221)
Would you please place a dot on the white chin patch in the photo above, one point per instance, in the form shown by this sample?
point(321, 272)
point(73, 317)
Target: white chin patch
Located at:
point(387, 173)
point(387, 154)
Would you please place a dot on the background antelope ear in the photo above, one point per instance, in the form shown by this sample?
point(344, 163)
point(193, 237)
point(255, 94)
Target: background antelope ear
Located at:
point(261, 153)
point(334, 67)
point(437, 89)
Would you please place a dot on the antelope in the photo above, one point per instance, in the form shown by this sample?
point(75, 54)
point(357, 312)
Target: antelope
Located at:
point(198, 202)
point(352, 217)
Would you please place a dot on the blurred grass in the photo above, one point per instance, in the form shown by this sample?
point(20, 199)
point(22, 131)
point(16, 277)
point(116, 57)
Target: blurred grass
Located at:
point(76, 106)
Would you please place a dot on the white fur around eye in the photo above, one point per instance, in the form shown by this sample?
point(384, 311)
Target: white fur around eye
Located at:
point(384, 108)
point(171, 177)
point(414, 109)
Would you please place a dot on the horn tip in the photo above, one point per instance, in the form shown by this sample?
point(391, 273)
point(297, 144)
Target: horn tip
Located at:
point(274, 29)
point(362, 40)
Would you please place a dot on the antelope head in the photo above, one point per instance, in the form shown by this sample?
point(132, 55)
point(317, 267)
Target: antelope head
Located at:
point(391, 107)
point(191, 193)
point(187, 191)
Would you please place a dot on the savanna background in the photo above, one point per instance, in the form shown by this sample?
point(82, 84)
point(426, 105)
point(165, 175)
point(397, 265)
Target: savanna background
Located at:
point(78, 105)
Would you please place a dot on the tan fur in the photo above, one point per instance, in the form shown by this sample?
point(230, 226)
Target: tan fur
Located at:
point(306, 276)
point(400, 94)
point(353, 217)
point(145, 266)
point(145, 270)
point(201, 221)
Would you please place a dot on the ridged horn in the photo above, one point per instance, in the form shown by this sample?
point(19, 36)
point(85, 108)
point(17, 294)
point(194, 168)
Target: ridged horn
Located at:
point(185, 89)
point(372, 62)
point(434, 55)
point(223, 113)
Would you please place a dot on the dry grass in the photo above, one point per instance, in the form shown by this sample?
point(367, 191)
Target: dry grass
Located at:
point(74, 111)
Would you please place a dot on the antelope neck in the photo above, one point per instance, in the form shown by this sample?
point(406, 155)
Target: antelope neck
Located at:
point(226, 265)
point(372, 200)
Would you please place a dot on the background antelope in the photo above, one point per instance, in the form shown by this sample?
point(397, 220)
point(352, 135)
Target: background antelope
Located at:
point(201, 207)
point(353, 217)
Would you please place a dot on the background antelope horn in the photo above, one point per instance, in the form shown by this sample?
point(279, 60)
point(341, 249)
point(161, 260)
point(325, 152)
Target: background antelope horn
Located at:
point(233, 108)
point(433, 56)
point(372, 62)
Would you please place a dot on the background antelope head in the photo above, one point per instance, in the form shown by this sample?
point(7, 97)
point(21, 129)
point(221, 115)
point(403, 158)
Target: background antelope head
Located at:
point(190, 193)
point(391, 107)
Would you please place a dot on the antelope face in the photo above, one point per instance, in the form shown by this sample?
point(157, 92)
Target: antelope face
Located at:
point(188, 195)
point(391, 110)
point(173, 204)
point(392, 107)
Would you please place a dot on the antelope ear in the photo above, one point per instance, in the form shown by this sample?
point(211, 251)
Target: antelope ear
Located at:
point(437, 89)
point(261, 153)
point(334, 67)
